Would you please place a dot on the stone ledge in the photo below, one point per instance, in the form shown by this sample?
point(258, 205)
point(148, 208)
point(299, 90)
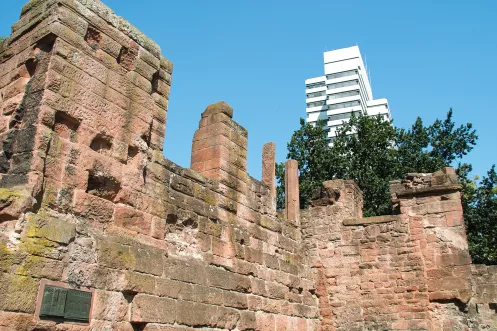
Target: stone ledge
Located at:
point(431, 189)
point(371, 220)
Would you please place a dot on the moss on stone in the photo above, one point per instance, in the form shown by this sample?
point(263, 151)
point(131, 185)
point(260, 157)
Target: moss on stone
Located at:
point(6, 258)
point(50, 228)
point(115, 255)
point(8, 193)
point(39, 247)
point(18, 293)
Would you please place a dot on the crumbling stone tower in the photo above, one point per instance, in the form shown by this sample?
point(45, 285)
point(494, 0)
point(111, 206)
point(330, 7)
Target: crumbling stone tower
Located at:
point(99, 231)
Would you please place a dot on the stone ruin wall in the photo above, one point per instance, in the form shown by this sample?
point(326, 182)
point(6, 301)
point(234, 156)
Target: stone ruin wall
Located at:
point(409, 271)
point(88, 200)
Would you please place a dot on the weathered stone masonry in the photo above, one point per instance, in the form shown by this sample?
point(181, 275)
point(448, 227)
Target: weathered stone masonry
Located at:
point(87, 200)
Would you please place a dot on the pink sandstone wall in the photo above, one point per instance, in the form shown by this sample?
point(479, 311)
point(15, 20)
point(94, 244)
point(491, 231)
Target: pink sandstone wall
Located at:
point(88, 200)
point(410, 271)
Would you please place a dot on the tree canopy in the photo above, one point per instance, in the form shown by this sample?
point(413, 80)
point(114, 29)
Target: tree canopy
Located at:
point(373, 152)
point(480, 216)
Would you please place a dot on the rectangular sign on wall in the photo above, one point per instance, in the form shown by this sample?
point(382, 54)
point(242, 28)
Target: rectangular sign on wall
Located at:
point(66, 303)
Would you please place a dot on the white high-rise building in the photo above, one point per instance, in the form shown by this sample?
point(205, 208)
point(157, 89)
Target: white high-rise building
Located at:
point(345, 89)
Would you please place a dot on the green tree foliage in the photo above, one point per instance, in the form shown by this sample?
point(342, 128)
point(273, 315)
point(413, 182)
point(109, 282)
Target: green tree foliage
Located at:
point(372, 152)
point(367, 156)
point(428, 149)
point(308, 145)
point(480, 216)
point(2, 39)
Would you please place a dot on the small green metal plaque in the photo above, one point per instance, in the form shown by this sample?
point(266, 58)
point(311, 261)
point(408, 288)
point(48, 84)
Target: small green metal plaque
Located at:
point(65, 303)
point(78, 305)
point(54, 301)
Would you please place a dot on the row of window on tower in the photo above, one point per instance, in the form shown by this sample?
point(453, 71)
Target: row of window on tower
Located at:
point(334, 106)
point(343, 116)
point(333, 76)
point(347, 83)
point(341, 74)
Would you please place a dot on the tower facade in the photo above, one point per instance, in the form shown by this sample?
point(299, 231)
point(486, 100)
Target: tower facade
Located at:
point(344, 90)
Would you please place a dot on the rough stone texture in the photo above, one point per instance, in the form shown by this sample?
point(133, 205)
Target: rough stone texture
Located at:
point(269, 167)
point(88, 199)
point(220, 107)
point(371, 220)
point(292, 203)
point(409, 271)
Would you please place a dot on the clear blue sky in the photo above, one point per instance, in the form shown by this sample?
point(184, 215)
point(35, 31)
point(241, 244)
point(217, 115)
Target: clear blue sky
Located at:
point(424, 56)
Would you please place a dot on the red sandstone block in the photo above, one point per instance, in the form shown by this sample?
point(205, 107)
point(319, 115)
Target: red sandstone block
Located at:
point(213, 115)
point(247, 321)
point(160, 101)
point(418, 325)
point(15, 88)
point(400, 325)
point(163, 88)
point(264, 321)
point(222, 248)
point(258, 286)
point(196, 314)
point(74, 177)
point(227, 280)
point(158, 228)
point(132, 219)
point(438, 207)
point(275, 290)
point(454, 218)
point(145, 69)
point(121, 84)
point(150, 59)
point(97, 325)
point(92, 208)
point(255, 302)
point(253, 255)
point(142, 98)
point(209, 295)
point(235, 300)
point(170, 288)
point(117, 98)
point(206, 154)
point(10, 105)
point(186, 271)
point(210, 141)
point(219, 129)
point(16, 321)
point(244, 267)
point(109, 306)
point(150, 309)
point(232, 158)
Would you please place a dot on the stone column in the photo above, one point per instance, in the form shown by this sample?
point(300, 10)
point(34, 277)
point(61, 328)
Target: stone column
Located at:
point(269, 167)
point(219, 148)
point(292, 203)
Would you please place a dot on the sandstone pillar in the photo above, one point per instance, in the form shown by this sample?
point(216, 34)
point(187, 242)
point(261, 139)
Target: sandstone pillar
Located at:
point(269, 167)
point(219, 149)
point(292, 202)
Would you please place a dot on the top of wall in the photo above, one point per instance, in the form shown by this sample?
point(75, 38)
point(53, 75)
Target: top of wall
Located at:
point(93, 10)
point(424, 183)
